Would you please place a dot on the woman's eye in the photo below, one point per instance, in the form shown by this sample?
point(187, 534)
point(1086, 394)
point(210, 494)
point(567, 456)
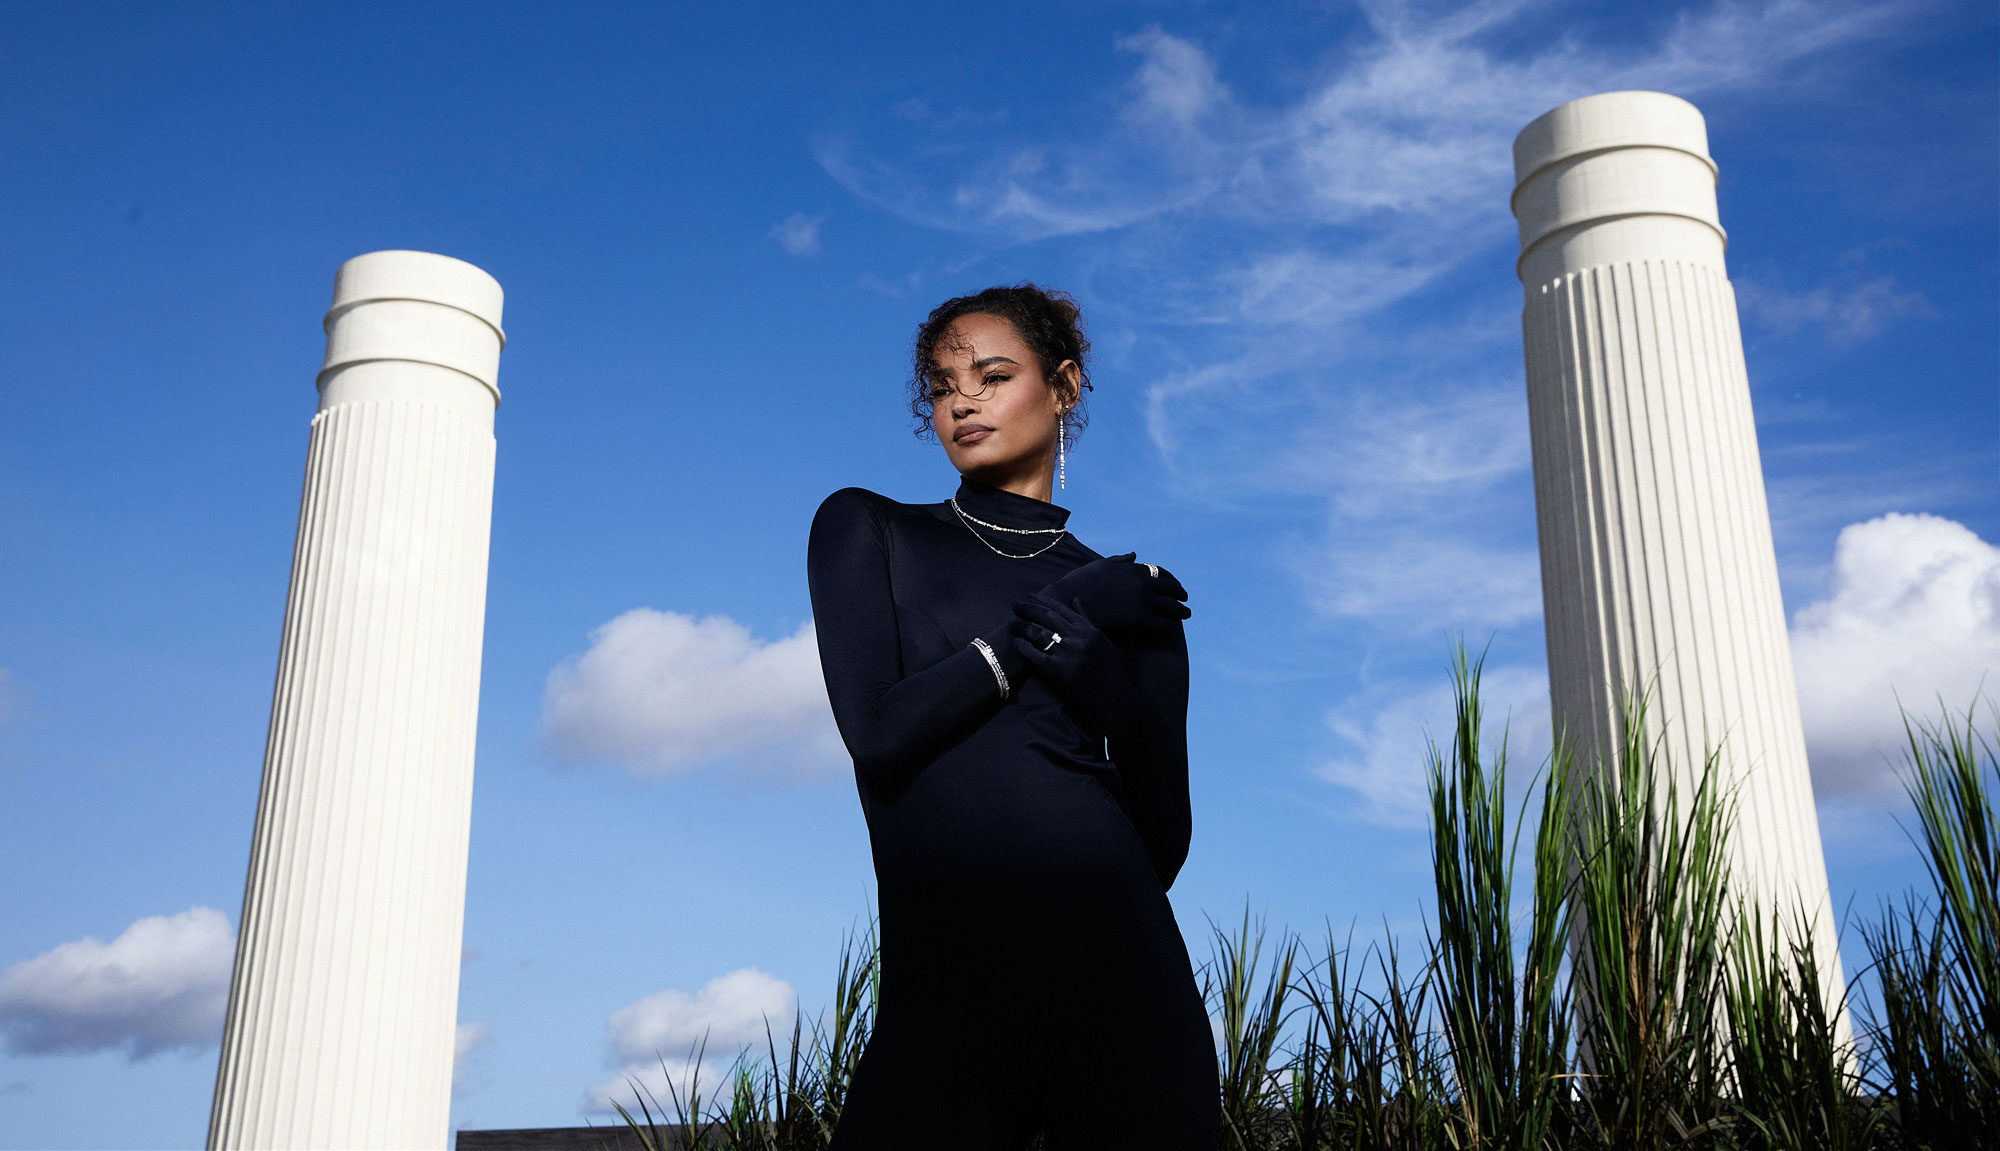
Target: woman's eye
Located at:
point(939, 393)
point(996, 379)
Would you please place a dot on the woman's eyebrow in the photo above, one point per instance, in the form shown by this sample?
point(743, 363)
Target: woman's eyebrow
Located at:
point(977, 364)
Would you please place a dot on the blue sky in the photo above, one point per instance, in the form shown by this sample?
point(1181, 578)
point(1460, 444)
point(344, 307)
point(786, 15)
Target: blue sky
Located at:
point(1287, 224)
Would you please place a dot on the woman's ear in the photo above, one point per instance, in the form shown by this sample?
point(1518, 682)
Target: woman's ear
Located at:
point(1067, 391)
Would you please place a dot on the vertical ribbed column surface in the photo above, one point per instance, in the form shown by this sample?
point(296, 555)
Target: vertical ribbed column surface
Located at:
point(343, 1006)
point(1658, 571)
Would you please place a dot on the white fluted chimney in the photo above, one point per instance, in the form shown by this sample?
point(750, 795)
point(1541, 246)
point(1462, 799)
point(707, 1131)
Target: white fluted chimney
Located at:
point(1658, 572)
point(343, 1007)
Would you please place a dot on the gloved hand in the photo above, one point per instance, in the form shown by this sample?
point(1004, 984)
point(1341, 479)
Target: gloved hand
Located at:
point(1118, 594)
point(1083, 666)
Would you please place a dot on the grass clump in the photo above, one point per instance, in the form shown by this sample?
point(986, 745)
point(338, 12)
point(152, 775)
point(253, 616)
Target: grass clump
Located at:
point(1795, 1080)
point(1252, 1021)
point(1502, 1002)
point(1651, 892)
point(1936, 1024)
point(789, 1101)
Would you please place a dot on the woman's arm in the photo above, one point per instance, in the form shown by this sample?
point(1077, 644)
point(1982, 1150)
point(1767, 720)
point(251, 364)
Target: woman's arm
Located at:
point(1136, 691)
point(1154, 763)
point(1142, 607)
point(893, 724)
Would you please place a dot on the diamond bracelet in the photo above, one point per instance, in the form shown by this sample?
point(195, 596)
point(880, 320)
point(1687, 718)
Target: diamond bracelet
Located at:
point(993, 661)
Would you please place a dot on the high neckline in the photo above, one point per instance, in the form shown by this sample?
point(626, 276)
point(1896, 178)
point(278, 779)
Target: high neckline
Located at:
point(1006, 508)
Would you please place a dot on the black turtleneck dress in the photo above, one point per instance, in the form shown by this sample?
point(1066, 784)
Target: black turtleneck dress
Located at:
point(1033, 979)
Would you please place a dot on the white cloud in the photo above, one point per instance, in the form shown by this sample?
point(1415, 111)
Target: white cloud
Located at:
point(1299, 287)
point(1419, 121)
point(1176, 80)
point(1415, 490)
point(1386, 734)
point(661, 693)
point(798, 234)
point(1401, 454)
point(1745, 43)
point(729, 1011)
point(1423, 580)
point(1435, 449)
point(657, 1039)
point(468, 1038)
point(1913, 613)
point(162, 984)
point(1848, 313)
point(1405, 146)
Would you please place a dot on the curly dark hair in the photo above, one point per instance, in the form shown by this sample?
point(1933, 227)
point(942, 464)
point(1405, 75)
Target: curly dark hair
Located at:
point(1048, 321)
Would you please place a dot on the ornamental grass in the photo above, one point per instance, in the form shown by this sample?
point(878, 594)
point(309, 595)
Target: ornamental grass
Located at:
point(1589, 979)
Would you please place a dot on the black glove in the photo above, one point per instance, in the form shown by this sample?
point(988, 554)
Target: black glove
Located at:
point(1083, 666)
point(1120, 595)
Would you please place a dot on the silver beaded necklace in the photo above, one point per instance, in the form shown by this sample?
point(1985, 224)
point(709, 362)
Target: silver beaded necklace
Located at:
point(969, 520)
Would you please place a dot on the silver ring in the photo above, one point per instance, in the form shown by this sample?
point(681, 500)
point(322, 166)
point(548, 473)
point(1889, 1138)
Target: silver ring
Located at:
point(1153, 570)
point(1055, 637)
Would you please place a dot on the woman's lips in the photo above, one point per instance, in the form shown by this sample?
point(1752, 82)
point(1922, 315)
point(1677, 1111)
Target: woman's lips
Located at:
point(971, 434)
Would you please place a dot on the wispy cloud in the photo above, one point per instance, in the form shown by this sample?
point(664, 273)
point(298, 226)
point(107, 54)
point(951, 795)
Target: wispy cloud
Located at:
point(1388, 735)
point(798, 234)
point(1176, 81)
point(1165, 147)
point(1401, 145)
point(1395, 168)
point(1848, 313)
point(1273, 246)
point(1416, 581)
point(1397, 457)
point(163, 984)
point(1417, 498)
point(469, 1038)
point(1413, 119)
point(662, 693)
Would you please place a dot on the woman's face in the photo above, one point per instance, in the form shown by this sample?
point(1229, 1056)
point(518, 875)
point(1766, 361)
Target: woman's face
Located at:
point(991, 408)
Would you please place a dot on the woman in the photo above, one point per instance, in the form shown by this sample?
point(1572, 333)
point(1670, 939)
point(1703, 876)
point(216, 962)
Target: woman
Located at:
point(1016, 708)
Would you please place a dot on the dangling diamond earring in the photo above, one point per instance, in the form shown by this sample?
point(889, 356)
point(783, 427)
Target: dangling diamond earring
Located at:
point(1062, 456)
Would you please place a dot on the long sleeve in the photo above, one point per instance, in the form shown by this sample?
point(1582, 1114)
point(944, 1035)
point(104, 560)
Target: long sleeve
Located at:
point(1151, 754)
point(893, 723)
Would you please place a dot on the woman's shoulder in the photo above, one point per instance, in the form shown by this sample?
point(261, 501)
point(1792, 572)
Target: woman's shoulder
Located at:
point(855, 508)
point(849, 503)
